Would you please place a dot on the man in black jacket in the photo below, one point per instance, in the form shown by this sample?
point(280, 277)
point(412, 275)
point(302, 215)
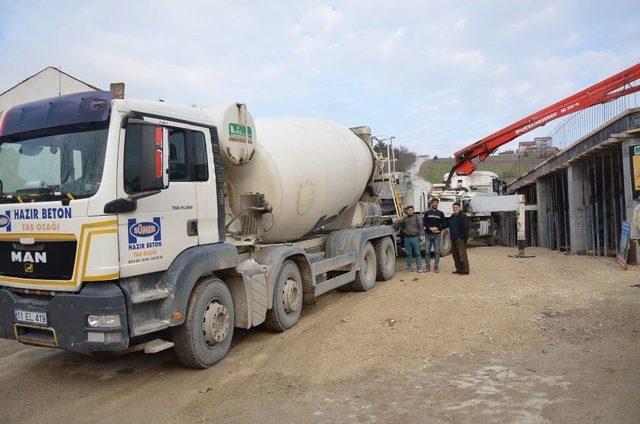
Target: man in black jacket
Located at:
point(434, 223)
point(459, 232)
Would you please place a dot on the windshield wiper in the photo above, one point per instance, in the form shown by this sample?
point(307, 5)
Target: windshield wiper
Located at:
point(33, 192)
point(44, 193)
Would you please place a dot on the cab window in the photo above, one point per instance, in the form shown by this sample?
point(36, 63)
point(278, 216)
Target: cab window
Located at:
point(187, 156)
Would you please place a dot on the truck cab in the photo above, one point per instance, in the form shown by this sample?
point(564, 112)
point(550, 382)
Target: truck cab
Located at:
point(97, 190)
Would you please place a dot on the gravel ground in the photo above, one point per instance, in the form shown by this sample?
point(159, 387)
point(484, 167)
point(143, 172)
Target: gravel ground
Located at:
point(553, 338)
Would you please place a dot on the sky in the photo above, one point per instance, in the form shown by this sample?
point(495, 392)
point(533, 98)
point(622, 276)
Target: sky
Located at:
point(436, 75)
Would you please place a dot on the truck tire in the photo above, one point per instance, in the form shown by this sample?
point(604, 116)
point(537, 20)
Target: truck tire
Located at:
point(385, 258)
point(445, 242)
point(205, 336)
point(493, 238)
point(287, 298)
point(366, 276)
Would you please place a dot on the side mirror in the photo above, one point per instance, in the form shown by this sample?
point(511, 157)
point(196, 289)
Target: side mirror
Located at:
point(151, 144)
point(159, 177)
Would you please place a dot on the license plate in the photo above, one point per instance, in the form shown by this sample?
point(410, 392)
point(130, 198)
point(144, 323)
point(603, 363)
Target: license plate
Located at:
point(39, 318)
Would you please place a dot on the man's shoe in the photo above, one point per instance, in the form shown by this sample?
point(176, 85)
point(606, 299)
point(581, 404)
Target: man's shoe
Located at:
point(456, 272)
point(408, 270)
point(463, 273)
point(436, 270)
point(419, 270)
point(427, 269)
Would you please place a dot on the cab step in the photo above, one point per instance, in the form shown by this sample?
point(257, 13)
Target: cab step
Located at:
point(157, 345)
point(149, 296)
point(150, 327)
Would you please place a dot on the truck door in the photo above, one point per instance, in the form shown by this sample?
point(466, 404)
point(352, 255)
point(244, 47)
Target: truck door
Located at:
point(209, 187)
point(164, 222)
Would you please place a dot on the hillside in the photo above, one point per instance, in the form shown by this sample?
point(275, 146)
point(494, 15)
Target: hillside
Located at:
point(508, 167)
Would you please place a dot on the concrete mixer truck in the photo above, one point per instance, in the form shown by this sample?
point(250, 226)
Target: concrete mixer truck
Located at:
point(134, 225)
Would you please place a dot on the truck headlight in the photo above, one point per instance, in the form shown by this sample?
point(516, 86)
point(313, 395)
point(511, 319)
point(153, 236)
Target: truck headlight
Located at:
point(103, 321)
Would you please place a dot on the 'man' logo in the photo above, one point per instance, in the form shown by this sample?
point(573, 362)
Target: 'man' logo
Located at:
point(29, 257)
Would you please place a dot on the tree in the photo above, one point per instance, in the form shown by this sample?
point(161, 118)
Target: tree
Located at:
point(404, 158)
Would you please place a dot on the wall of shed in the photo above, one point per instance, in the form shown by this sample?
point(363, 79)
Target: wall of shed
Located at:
point(48, 83)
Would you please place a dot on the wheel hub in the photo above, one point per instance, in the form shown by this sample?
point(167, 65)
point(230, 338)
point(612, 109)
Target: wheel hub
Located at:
point(369, 266)
point(291, 295)
point(390, 257)
point(215, 326)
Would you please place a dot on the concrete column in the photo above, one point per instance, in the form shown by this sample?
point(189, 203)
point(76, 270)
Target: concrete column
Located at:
point(629, 202)
point(543, 212)
point(575, 198)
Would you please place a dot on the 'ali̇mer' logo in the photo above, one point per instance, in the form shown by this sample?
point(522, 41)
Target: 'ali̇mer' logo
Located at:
point(145, 235)
point(5, 221)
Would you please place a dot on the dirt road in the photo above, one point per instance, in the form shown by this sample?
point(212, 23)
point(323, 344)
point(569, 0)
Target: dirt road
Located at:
point(549, 339)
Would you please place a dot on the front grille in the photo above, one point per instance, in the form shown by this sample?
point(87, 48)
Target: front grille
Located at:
point(50, 260)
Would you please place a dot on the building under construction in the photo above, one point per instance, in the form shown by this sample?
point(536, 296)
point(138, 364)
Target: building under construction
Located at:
point(578, 199)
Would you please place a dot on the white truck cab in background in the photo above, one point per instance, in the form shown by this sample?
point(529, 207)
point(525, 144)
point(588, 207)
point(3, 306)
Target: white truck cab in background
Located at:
point(481, 196)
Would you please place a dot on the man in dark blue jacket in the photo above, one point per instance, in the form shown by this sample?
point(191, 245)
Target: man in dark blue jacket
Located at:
point(459, 232)
point(434, 223)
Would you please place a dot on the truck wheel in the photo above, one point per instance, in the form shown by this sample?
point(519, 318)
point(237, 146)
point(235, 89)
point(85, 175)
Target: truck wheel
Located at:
point(445, 242)
point(287, 298)
point(493, 238)
point(205, 336)
point(385, 258)
point(366, 276)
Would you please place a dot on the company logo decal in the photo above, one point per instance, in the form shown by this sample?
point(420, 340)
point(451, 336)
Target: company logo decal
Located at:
point(145, 235)
point(240, 133)
point(29, 257)
point(43, 213)
point(5, 221)
point(144, 229)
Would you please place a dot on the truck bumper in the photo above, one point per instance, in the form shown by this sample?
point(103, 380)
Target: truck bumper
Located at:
point(67, 327)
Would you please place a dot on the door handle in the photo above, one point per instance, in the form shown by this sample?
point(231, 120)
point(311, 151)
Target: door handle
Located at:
point(192, 227)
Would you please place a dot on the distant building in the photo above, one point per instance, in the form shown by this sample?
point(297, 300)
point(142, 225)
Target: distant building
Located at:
point(49, 82)
point(543, 143)
point(526, 146)
point(539, 144)
point(506, 152)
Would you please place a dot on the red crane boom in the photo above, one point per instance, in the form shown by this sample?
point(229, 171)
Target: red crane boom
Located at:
point(606, 90)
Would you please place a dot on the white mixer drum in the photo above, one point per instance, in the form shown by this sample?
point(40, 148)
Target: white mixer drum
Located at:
point(309, 170)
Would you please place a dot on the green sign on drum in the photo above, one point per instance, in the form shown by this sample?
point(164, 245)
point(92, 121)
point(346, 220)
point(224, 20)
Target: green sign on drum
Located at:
point(240, 131)
point(636, 149)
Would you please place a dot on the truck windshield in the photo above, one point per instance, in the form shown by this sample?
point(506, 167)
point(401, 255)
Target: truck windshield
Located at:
point(54, 165)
